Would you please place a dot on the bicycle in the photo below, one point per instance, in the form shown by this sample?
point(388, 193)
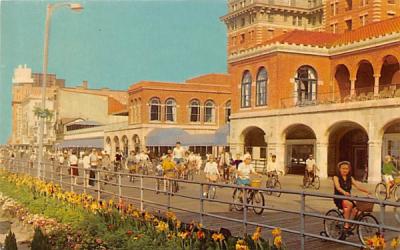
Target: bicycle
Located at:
point(254, 197)
point(273, 182)
point(212, 189)
point(335, 229)
point(308, 180)
point(380, 190)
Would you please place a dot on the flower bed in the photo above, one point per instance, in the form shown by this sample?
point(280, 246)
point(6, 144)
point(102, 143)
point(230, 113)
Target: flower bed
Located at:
point(78, 221)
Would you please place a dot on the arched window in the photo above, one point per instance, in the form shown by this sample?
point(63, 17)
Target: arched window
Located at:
point(246, 90)
point(155, 109)
point(194, 111)
point(261, 87)
point(227, 111)
point(306, 85)
point(209, 112)
point(170, 110)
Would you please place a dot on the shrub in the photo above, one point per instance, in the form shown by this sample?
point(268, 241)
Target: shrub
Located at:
point(40, 241)
point(10, 242)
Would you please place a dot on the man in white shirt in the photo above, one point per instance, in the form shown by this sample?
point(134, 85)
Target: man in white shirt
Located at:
point(272, 166)
point(178, 153)
point(94, 161)
point(311, 167)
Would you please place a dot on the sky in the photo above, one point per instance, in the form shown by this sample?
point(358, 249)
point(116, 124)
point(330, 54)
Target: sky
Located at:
point(112, 43)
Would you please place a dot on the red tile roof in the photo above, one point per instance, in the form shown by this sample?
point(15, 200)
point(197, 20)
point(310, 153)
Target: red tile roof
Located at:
point(325, 39)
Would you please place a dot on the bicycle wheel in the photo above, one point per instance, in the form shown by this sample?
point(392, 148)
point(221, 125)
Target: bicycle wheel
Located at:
point(258, 200)
point(380, 191)
point(365, 232)
point(238, 198)
point(277, 186)
point(334, 228)
point(268, 184)
point(396, 193)
point(306, 182)
point(317, 183)
point(212, 192)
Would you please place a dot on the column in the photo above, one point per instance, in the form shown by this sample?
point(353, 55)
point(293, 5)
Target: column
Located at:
point(322, 159)
point(352, 87)
point(376, 84)
point(374, 161)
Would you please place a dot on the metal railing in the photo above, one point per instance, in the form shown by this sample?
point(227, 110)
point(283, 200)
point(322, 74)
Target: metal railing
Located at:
point(104, 188)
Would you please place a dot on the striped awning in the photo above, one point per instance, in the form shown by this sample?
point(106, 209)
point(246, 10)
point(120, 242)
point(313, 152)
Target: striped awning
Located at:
point(96, 142)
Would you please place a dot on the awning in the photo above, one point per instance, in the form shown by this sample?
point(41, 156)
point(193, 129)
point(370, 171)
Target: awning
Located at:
point(96, 142)
point(169, 136)
point(165, 136)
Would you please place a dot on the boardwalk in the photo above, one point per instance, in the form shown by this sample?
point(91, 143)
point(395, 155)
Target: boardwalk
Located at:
point(270, 217)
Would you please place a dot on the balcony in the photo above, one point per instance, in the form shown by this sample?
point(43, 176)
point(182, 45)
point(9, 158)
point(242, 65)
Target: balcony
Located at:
point(342, 96)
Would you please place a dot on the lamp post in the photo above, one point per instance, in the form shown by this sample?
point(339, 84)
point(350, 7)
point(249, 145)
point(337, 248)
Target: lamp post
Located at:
point(50, 9)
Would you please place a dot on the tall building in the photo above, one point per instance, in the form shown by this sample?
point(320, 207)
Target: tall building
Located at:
point(251, 22)
point(25, 89)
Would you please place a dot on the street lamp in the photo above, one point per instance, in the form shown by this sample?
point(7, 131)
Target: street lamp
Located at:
point(50, 8)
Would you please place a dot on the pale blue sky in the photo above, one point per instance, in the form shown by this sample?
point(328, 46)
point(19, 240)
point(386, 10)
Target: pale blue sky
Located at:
point(112, 43)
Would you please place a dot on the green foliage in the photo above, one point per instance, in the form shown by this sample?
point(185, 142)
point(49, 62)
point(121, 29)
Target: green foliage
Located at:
point(10, 242)
point(40, 241)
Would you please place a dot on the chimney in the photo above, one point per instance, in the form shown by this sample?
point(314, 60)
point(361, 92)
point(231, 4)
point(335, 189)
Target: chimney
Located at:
point(85, 84)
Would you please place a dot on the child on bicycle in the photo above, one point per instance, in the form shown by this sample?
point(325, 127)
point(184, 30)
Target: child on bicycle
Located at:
point(343, 183)
point(211, 171)
point(388, 171)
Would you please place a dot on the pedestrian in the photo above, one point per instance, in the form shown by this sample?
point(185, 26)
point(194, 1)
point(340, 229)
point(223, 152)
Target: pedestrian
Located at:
point(93, 167)
point(86, 166)
point(73, 166)
point(224, 160)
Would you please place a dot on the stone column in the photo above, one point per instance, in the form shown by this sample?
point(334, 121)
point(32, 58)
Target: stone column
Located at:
point(322, 159)
point(376, 84)
point(352, 87)
point(374, 161)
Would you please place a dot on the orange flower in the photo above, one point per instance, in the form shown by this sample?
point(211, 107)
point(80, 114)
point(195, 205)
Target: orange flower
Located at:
point(218, 237)
point(278, 241)
point(276, 232)
point(200, 235)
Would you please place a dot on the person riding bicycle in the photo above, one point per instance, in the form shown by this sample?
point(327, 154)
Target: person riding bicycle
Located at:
point(178, 153)
point(169, 168)
point(388, 171)
point(343, 183)
point(311, 168)
point(244, 170)
point(211, 172)
point(118, 161)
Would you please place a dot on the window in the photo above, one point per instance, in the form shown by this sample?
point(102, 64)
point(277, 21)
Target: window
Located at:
point(209, 112)
point(334, 28)
point(349, 5)
point(363, 20)
point(155, 109)
point(270, 17)
point(391, 14)
point(363, 3)
point(227, 111)
point(306, 85)
point(194, 110)
point(242, 38)
point(243, 22)
point(349, 24)
point(261, 87)
point(246, 90)
point(285, 17)
point(391, 1)
point(170, 110)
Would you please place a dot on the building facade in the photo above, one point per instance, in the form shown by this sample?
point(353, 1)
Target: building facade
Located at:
point(333, 95)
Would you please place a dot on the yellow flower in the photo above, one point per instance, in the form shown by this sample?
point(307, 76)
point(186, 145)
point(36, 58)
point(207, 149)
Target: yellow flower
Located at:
point(148, 216)
point(256, 234)
point(171, 216)
point(276, 232)
point(218, 237)
point(395, 243)
point(241, 245)
point(162, 227)
point(278, 241)
point(183, 235)
point(136, 214)
point(178, 224)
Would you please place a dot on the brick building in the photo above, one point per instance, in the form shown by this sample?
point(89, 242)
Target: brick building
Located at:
point(334, 94)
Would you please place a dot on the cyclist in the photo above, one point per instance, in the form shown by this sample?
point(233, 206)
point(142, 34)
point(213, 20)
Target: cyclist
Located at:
point(343, 182)
point(211, 171)
point(388, 170)
point(311, 168)
point(244, 170)
point(169, 167)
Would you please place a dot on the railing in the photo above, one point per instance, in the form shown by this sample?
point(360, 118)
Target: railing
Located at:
point(342, 96)
point(140, 193)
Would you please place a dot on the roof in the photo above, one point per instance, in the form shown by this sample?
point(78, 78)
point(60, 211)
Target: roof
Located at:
point(86, 123)
point(165, 136)
point(69, 120)
point(326, 39)
point(114, 106)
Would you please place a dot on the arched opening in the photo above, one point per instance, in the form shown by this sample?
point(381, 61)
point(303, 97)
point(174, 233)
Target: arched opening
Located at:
point(364, 78)
point(348, 141)
point(136, 143)
point(116, 143)
point(306, 85)
point(107, 147)
point(391, 141)
point(125, 145)
point(390, 75)
point(300, 144)
point(254, 142)
point(342, 77)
